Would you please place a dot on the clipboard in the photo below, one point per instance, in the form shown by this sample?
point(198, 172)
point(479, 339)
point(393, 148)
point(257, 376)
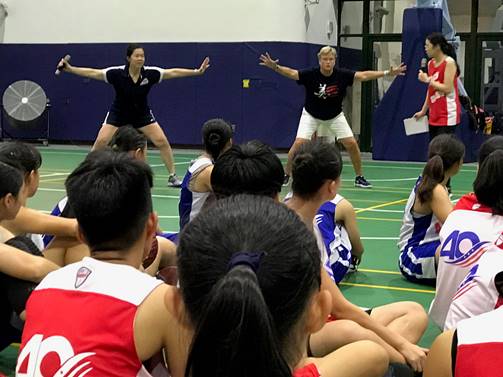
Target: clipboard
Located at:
point(415, 126)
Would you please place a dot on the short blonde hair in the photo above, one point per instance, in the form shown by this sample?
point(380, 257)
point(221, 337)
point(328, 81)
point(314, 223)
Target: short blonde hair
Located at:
point(327, 50)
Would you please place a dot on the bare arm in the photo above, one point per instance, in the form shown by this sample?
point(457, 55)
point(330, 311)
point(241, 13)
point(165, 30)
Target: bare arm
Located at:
point(91, 73)
point(32, 221)
point(346, 214)
point(343, 309)
point(441, 205)
point(439, 360)
point(448, 85)
point(424, 109)
point(269, 62)
point(174, 73)
point(21, 265)
point(373, 75)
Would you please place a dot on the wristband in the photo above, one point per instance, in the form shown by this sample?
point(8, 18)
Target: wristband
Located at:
point(386, 72)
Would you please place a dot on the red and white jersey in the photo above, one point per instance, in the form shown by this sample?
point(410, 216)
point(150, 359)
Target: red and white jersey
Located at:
point(79, 322)
point(480, 346)
point(477, 294)
point(445, 109)
point(466, 234)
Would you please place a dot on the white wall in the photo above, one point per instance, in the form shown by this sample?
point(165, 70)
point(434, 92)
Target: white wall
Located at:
point(77, 21)
point(320, 15)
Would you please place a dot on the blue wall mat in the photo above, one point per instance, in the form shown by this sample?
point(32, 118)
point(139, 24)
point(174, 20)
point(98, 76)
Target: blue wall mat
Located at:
point(268, 110)
point(406, 96)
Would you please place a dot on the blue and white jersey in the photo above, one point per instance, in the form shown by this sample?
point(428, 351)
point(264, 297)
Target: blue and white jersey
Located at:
point(419, 238)
point(192, 202)
point(335, 244)
point(56, 211)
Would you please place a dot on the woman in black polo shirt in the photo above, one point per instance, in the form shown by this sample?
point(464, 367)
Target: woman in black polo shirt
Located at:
point(132, 83)
point(325, 90)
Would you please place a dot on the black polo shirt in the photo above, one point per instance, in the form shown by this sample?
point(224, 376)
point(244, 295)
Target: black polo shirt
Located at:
point(324, 94)
point(131, 97)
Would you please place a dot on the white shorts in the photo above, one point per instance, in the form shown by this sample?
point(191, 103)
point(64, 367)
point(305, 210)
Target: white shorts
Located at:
point(337, 127)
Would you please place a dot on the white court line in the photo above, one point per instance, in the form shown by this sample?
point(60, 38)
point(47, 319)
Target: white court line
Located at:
point(153, 196)
point(393, 179)
point(52, 175)
point(176, 163)
point(168, 217)
point(380, 238)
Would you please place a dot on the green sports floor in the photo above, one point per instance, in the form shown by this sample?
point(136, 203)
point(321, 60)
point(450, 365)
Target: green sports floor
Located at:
point(379, 212)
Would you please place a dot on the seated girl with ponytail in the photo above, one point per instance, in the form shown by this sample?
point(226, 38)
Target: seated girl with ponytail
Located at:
point(196, 185)
point(163, 252)
point(316, 171)
point(427, 209)
point(252, 301)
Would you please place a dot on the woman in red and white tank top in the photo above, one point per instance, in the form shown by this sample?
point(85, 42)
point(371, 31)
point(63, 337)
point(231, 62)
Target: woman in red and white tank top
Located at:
point(442, 99)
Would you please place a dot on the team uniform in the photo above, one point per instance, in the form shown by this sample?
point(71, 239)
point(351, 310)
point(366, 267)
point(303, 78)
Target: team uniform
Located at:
point(466, 234)
point(419, 240)
point(89, 329)
point(192, 202)
point(130, 106)
point(444, 109)
point(336, 242)
point(478, 345)
point(478, 294)
point(309, 370)
point(323, 104)
point(61, 209)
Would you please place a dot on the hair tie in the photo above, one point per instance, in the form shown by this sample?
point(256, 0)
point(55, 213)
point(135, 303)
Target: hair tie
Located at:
point(244, 258)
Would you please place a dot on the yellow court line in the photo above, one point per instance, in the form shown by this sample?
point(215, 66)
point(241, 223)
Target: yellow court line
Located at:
point(379, 271)
point(382, 205)
point(379, 219)
point(388, 287)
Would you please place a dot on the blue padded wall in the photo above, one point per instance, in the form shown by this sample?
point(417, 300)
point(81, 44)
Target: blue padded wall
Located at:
point(406, 96)
point(268, 110)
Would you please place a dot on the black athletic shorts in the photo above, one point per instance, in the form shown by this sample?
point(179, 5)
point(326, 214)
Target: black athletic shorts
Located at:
point(13, 296)
point(137, 121)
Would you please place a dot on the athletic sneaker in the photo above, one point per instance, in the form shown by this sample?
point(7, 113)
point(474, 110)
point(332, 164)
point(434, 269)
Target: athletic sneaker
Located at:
point(286, 179)
point(360, 181)
point(174, 181)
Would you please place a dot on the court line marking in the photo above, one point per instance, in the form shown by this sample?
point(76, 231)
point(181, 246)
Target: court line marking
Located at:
point(385, 272)
point(51, 175)
point(393, 179)
point(382, 210)
point(401, 201)
point(380, 238)
point(386, 287)
point(153, 195)
point(379, 219)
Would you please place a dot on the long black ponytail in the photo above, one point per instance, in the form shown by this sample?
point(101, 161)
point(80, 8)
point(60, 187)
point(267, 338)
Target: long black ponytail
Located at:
point(444, 151)
point(245, 312)
point(438, 39)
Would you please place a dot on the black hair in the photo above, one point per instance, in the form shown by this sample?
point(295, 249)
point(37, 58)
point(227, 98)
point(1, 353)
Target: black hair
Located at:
point(21, 155)
point(216, 134)
point(492, 144)
point(444, 151)
point(438, 39)
point(313, 163)
point(488, 185)
point(110, 196)
point(251, 168)
point(127, 139)
point(245, 319)
point(131, 47)
point(11, 179)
